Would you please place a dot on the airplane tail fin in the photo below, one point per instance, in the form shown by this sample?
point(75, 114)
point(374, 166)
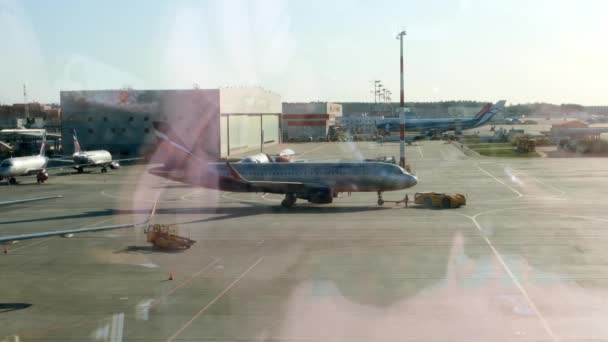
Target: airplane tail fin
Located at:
point(486, 108)
point(166, 134)
point(76, 143)
point(235, 174)
point(43, 146)
point(489, 114)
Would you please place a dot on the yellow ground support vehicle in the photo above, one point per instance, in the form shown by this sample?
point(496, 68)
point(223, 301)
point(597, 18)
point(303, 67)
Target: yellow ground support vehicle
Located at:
point(439, 200)
point(165, 236)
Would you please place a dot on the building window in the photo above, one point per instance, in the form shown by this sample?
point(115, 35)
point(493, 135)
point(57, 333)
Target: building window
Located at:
point(113, 130)
point(90, 131)
point(145, 118)
point(146, 130)
point(105, 119)
point(130, 118)
point(90, 119)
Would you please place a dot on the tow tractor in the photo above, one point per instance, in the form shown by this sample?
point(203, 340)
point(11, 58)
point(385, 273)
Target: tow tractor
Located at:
point(165, 236)
point(439, 200)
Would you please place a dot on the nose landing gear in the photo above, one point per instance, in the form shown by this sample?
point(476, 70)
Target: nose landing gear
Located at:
point(380, 200)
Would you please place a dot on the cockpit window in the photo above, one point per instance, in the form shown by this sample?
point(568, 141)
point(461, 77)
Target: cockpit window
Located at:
point(6, 163)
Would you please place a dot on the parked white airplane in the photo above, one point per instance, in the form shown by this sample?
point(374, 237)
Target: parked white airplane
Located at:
point(25, 166)
point(97, 158)
point(316, 182)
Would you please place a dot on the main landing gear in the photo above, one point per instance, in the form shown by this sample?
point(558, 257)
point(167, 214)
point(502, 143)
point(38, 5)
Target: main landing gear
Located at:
point(42, 176)
point(12, 181)
point(380, 200)
point(289, 201)
point(104, 169)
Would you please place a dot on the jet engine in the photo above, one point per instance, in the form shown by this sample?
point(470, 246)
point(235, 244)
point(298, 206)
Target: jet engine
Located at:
point(42, 176)
point(114, 165)
point(321, 196)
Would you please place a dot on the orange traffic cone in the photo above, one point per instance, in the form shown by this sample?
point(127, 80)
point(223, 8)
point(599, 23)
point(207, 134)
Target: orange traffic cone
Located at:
point(170, 276)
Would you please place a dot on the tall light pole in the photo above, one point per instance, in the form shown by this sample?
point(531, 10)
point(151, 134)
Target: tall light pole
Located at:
point(402, 96)
point(401, 105)
point(374, 84)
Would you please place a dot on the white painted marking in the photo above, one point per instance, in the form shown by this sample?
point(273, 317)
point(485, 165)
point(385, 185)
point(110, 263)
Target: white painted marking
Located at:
point(562, 192)
point(220, 295)
point(519, 194)
point(142, 310)
point(420, 151)
point(215, 260)
point(191, 193)
point(314, 149)
point(270, 199)
point(515, 280)
point(103, 193)
point(510, 273)
point(225, 195)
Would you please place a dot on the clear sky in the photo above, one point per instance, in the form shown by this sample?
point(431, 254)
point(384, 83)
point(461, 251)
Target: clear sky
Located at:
point(307, 50)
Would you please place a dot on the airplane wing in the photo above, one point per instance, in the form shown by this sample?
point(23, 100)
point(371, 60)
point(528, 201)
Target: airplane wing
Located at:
point(33, 171)
point(113, 160)
point(278, 187)
point(14, 238)
point(61, 159)
point(127, 159)
point(30, 132)
point(71, 161)
point(30, 200)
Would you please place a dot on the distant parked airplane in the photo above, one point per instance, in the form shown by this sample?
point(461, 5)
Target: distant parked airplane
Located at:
point(438, 126)
point(25, 166)
point(96, 158)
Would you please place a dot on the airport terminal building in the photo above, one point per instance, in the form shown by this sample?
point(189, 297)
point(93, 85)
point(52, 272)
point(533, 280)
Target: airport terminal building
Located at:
point(219, 121)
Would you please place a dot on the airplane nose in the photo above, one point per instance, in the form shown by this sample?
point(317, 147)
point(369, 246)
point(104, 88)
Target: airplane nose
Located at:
point(412, 180)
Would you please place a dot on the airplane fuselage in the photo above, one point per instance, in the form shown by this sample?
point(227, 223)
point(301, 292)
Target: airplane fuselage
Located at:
point(99, 157)
point(426, 125)
point(22, 166)
point(339, 177)
point(440, 125)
